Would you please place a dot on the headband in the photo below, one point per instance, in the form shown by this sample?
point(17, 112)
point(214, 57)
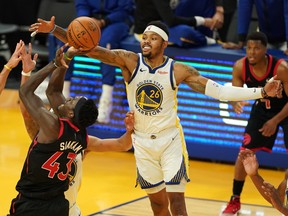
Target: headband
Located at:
point(157, 30)
point(78, 107)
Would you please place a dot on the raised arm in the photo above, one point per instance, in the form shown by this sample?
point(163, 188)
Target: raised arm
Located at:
point(28, 64)
point(12, 63)
point(123, 59)
point(43, 26)
point(48, 122)
point(56, 82)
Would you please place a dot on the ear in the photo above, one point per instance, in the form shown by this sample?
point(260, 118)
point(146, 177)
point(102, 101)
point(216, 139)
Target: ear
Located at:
point(165, 44)
point(70, 114)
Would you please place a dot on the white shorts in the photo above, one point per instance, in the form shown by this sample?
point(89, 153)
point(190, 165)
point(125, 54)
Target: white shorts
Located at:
point(74, 210)
point(160, 158)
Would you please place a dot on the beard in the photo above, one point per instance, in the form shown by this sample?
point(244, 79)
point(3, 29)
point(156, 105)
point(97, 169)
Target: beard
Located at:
point(147, 55)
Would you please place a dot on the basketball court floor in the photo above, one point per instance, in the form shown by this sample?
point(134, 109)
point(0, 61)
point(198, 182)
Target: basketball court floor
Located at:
point(108, 186)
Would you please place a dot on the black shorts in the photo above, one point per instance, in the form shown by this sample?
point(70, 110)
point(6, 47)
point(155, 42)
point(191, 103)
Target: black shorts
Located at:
point(253, 139)
point(23, 206)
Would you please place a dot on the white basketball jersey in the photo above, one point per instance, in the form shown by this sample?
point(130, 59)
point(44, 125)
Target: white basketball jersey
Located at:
point(152, 94)
point(75, 177)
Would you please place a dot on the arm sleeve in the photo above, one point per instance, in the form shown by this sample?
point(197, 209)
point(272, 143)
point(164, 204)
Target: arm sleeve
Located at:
point(231, 93)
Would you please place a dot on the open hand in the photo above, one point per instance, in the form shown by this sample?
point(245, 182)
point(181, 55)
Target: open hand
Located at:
point(43, 26)
point(28, 64)
point(249, 161)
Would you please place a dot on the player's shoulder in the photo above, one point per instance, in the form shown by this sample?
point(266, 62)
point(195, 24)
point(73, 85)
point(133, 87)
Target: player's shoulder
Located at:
point(239, 63)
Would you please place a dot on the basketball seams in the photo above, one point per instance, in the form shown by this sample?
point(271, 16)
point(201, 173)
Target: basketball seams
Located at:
point(76, 38)
point(84, 32)
point(87, 31)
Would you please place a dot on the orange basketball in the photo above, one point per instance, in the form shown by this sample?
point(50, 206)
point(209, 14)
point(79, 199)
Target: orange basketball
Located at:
point(83, 32)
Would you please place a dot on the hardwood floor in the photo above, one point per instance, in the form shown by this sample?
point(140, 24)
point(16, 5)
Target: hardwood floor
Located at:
point(109, 179)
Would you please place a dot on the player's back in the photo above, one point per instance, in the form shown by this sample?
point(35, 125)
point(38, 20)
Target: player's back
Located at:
point(46, 168)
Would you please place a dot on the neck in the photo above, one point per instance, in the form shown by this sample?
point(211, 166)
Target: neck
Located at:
point(155, 62)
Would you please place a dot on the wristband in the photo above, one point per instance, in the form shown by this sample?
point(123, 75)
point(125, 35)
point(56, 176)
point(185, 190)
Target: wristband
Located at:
point(27, 74)
point(264, 93)
point(53, 29)
point(67, 58)
point(54, 63)
point(7, 67)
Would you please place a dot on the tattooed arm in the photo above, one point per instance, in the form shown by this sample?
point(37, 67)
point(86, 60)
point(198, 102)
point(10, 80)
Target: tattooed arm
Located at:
point(125, 60)
point(190, 76)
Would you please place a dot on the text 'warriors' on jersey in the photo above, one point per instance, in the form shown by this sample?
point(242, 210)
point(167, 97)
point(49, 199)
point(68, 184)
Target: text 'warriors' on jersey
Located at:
point(149, 94)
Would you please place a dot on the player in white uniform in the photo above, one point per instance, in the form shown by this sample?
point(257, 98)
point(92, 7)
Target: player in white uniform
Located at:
point(158, 135)
point(75, 176)
point(152, 80)
point(277, 197)
point(124, 143)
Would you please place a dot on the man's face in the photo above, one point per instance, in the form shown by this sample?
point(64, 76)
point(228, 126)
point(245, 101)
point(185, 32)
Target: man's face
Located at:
point(151, 44)
point(68, 105)
point(255, 51)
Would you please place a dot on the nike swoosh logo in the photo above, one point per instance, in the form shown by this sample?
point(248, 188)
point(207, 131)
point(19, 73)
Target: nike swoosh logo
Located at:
point(142, 70)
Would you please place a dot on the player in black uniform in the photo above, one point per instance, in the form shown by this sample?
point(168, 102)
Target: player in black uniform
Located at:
point(267, 114)
point(42, 185)
point(44, 177)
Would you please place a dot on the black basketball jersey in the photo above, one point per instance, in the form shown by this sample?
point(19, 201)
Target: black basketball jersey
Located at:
point(272, 104)
point(46, 168)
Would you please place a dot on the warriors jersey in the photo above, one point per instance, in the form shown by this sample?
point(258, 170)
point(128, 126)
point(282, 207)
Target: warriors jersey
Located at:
point(271, 104)
point(152, 95)
point(75, 178)
point(46, 170)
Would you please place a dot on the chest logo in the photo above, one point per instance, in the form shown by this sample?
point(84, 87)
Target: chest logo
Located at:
point(149, 97)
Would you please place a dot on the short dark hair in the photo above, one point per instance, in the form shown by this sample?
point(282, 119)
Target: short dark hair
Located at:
point(160, 25)
point(258, 36)
point(85, 113)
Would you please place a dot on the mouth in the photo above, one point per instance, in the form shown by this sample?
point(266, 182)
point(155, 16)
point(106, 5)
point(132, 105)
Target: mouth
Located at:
point(250, 58)
point(146, 48)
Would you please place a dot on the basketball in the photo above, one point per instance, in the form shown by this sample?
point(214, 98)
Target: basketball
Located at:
point(83, 32)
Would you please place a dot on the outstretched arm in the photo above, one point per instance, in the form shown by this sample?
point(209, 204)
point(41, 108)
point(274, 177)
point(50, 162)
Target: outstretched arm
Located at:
point(190, 76)
point(126, 60)
point(43, 26)
point(124, 143)
point(12, 63)
point(275, 198)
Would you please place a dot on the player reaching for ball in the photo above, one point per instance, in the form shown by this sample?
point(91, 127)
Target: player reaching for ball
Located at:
point(44, 177)
point(152, 81)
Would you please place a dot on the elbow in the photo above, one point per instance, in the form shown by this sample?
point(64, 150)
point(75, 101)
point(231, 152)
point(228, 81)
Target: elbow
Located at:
point(22, 93)
point(48, 92)
point(127, 146)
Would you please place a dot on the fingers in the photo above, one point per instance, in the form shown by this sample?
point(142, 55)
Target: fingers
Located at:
point(35, 57)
